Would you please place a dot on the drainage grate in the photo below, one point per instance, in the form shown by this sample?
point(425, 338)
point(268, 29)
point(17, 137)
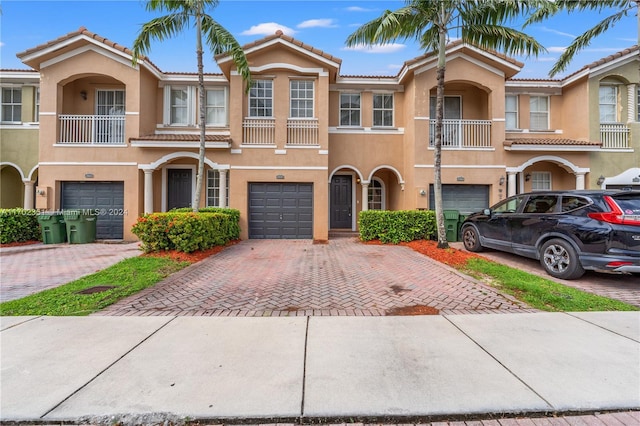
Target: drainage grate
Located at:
point(413, 310)
point(96, 289)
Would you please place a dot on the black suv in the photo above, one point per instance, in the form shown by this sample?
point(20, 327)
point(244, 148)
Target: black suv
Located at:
point(568, 231)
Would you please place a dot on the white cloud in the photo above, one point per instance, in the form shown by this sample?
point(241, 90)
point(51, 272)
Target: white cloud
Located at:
point(546, 59)
point(1, 44)
point(358, 9)
point(556, 49)
point(551, 30)
point(317, 23)
point(268, 28)
point(394, 66)
point(377, 48)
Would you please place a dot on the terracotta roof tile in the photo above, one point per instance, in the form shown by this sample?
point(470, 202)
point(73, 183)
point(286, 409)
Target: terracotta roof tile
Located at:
point(183, 138)
point(550, 141)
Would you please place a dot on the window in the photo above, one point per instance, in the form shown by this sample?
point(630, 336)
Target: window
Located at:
point(215, 104)
point(638, 106)
point(36, 109)
point(301, 98)
point(570, 203)
point(110, 102)
point(540, 181)
point(541, 204)
point(511, 112)
point(452, 108)
point(510, 205)
point(350, 109)
point(179, 106)
point(213, 189)
point(261, 99)
point(539, 113)
point(375, 198)
point(11, 105)
point(608, 100)
point(383, 110)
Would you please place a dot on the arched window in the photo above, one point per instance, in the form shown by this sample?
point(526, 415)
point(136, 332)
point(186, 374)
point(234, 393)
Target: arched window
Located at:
point(376, 195)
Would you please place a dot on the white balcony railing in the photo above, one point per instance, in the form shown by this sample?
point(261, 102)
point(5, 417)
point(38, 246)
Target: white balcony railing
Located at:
point(259, 131)
point(614, 135)
point(462, 133)
point(92, 129)
point(302, 131)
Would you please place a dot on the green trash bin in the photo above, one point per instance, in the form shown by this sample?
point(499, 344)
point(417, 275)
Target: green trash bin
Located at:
point(81, 226)
point(451, 218)
point(53, 227)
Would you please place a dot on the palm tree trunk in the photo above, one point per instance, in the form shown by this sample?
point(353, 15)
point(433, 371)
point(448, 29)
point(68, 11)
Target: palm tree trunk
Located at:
point(201, 108)
point(437, 154)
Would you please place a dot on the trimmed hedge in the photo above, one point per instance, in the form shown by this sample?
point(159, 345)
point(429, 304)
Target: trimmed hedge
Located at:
point(18, 225)
point(398, 225)
point(187, 231)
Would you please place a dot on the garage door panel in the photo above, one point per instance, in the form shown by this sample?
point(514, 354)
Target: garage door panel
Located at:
point(281, 210)
point(97, 196)
point(464, 198)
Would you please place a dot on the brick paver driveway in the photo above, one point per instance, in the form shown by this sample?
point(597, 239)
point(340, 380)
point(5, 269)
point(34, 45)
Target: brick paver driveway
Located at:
point(297, 277)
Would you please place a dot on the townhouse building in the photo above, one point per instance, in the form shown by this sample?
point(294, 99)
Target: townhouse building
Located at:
point(306, 149)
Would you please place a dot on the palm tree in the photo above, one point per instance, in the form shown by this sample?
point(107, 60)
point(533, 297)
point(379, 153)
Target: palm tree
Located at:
point(622, 9)
point(181, 15)
point(429, 22)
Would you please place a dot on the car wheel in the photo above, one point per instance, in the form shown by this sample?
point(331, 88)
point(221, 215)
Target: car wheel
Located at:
point(471, 239)
point(560, 260)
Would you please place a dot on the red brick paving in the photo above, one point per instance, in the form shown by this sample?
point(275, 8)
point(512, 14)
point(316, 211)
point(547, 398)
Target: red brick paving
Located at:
point(297, 277)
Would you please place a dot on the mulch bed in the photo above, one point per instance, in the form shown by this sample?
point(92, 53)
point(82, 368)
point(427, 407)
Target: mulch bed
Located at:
point(19, 243)
point(192, 257)
point(451, 256)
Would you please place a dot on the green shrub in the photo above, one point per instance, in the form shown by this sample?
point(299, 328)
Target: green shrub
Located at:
point(17, 225)
point(186, 231)
point(396, 226)
point(234, 224)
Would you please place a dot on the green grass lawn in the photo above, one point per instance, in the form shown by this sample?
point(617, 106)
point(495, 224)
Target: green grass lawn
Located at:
point(538, 292)
point(127, 277)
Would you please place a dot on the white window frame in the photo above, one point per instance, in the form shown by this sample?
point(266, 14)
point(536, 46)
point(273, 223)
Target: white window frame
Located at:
point(608, 104)
point(308, 112)
point(111, 111)
point(509, 113)
point(350, 109)
point(12, 104)
point(224, 106)
point(268, 100)
point(191, 96)
point(371, 193)
point(36, 104)
point(213, 188)
point(638, 104)
point(539, 112)
point(541, 181)
point(382, 109)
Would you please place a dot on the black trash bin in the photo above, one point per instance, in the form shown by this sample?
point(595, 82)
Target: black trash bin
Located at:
point(81, 226)
point(53, 227)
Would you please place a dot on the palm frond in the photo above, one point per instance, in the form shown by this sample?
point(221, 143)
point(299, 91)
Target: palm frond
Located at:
point(220, 40)
point(501, 38)
point(583, 41)
point(159, 29)
point(391, 26)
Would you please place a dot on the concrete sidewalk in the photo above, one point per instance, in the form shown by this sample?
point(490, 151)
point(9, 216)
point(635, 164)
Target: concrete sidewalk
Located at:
point(310, 369)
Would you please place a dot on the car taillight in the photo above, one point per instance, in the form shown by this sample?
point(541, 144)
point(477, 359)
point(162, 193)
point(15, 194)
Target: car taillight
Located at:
point(618, 264)
point(615, 215)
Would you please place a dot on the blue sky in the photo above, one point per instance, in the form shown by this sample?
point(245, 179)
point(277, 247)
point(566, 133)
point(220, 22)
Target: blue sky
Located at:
point(324, 24)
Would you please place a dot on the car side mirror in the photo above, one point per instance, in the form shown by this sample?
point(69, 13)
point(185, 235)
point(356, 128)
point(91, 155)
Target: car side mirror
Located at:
point(486, 212)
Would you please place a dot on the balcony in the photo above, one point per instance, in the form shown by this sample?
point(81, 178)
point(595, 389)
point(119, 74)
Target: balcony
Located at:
point(302, 132)
point(92, 130)
point(462, 134)
point(615, 136)
point(259, 131)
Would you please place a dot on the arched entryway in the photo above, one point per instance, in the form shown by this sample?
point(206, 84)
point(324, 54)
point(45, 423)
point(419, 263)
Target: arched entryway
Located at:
point(545, 172)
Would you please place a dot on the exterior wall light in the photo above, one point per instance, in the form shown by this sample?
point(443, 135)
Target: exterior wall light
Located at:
point(501, 181)
point(600, 180)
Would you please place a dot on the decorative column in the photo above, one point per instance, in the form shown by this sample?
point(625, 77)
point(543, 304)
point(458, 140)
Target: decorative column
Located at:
point(632, 97)
point(365, 196)
point(222, 199)
point(511, 183)
point(580, 180)
point(29, 201)
point(148, 190)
